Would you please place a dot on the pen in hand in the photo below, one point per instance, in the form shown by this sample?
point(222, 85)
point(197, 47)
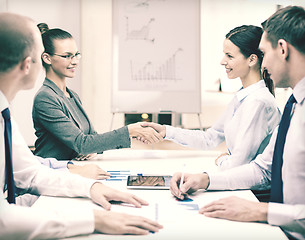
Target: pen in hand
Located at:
point(181, 181)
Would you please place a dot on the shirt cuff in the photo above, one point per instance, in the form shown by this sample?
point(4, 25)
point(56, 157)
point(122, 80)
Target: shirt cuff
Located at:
point(60, 165)
point(217, 181)
point(53, 163)
point(170, 131)
point(280, 214)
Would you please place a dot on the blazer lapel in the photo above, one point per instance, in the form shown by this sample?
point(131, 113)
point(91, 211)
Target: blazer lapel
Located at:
point(67, 104)
point(78, 103)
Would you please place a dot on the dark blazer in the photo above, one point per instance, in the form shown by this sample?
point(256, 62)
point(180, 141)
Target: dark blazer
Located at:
point(58, 129)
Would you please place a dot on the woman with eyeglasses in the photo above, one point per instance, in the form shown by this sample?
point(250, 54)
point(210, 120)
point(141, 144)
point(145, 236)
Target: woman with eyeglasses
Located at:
point(62, 126)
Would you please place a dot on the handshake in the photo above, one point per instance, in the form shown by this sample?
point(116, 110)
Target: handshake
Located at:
point(147, 132)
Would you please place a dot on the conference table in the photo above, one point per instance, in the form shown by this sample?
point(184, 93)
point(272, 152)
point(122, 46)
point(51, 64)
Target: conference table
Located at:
point(180, 219)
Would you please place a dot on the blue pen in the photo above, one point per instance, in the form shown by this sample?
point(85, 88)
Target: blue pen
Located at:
point(181, 180)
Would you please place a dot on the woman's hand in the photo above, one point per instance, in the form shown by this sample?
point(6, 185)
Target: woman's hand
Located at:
point(192, 183)
point(145, 134)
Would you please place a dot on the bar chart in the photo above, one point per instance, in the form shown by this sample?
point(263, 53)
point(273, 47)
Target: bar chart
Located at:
point(166, 71)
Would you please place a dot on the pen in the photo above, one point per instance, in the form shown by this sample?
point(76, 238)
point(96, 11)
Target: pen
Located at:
point(181, 180)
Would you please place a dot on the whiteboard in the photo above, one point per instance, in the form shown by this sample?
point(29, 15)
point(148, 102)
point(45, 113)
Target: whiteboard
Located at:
point(156, 56)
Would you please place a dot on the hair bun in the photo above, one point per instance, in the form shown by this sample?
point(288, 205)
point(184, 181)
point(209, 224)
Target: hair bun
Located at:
point(43, 27)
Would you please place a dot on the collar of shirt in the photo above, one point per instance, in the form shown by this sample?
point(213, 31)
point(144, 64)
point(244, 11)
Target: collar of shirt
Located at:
point(244, 92)
point(299, 91)
point(3, 102)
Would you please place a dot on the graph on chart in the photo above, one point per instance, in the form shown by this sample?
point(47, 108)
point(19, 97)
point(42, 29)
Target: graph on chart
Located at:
point(139, 4)
point(156, 56)
point(139, 34)
point(156, 53)
point(166, 71)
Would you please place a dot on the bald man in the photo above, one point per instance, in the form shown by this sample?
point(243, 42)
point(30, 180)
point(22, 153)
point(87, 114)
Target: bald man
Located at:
point(20, 56)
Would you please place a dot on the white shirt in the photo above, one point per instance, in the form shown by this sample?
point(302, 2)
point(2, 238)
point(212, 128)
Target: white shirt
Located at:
point(290, 215)
point(246, 126)
point(53, 163)
point(19, 222)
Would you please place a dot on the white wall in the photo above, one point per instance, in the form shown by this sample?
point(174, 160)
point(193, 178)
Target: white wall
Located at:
point(96, 29)
point(218, 17)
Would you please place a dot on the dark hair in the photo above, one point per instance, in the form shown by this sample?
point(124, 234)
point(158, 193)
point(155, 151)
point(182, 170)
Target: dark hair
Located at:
point(48, 37)
point(289, 24)
point(247, 39)
point(15, 43)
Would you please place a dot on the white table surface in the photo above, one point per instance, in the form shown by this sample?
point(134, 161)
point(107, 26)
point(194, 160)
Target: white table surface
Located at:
point(180, 221)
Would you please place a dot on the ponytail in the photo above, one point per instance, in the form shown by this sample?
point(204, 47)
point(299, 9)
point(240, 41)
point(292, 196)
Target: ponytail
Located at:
point(268, 82)
point(48, 37)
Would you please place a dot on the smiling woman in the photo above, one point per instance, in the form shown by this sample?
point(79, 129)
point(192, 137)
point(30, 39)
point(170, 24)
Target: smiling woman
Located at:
point(243, 58)
point(252, 115)
point(62, 126)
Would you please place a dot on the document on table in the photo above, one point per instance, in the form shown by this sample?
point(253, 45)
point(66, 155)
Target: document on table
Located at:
point(162, 211)
point(118, 175)
point(180, 219)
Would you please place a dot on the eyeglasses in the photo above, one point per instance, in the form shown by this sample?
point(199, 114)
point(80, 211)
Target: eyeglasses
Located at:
point(69, 57)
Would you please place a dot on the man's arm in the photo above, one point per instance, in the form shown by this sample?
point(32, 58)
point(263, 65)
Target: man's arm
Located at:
point(38, 223)
point(255, 175)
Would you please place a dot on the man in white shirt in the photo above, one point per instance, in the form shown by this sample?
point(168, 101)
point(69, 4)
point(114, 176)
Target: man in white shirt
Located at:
point(284, 57)
point(20, 56)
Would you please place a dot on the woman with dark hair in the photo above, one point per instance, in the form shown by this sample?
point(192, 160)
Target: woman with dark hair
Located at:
point(62, 126)
point(250, 118)
point(246, 39)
